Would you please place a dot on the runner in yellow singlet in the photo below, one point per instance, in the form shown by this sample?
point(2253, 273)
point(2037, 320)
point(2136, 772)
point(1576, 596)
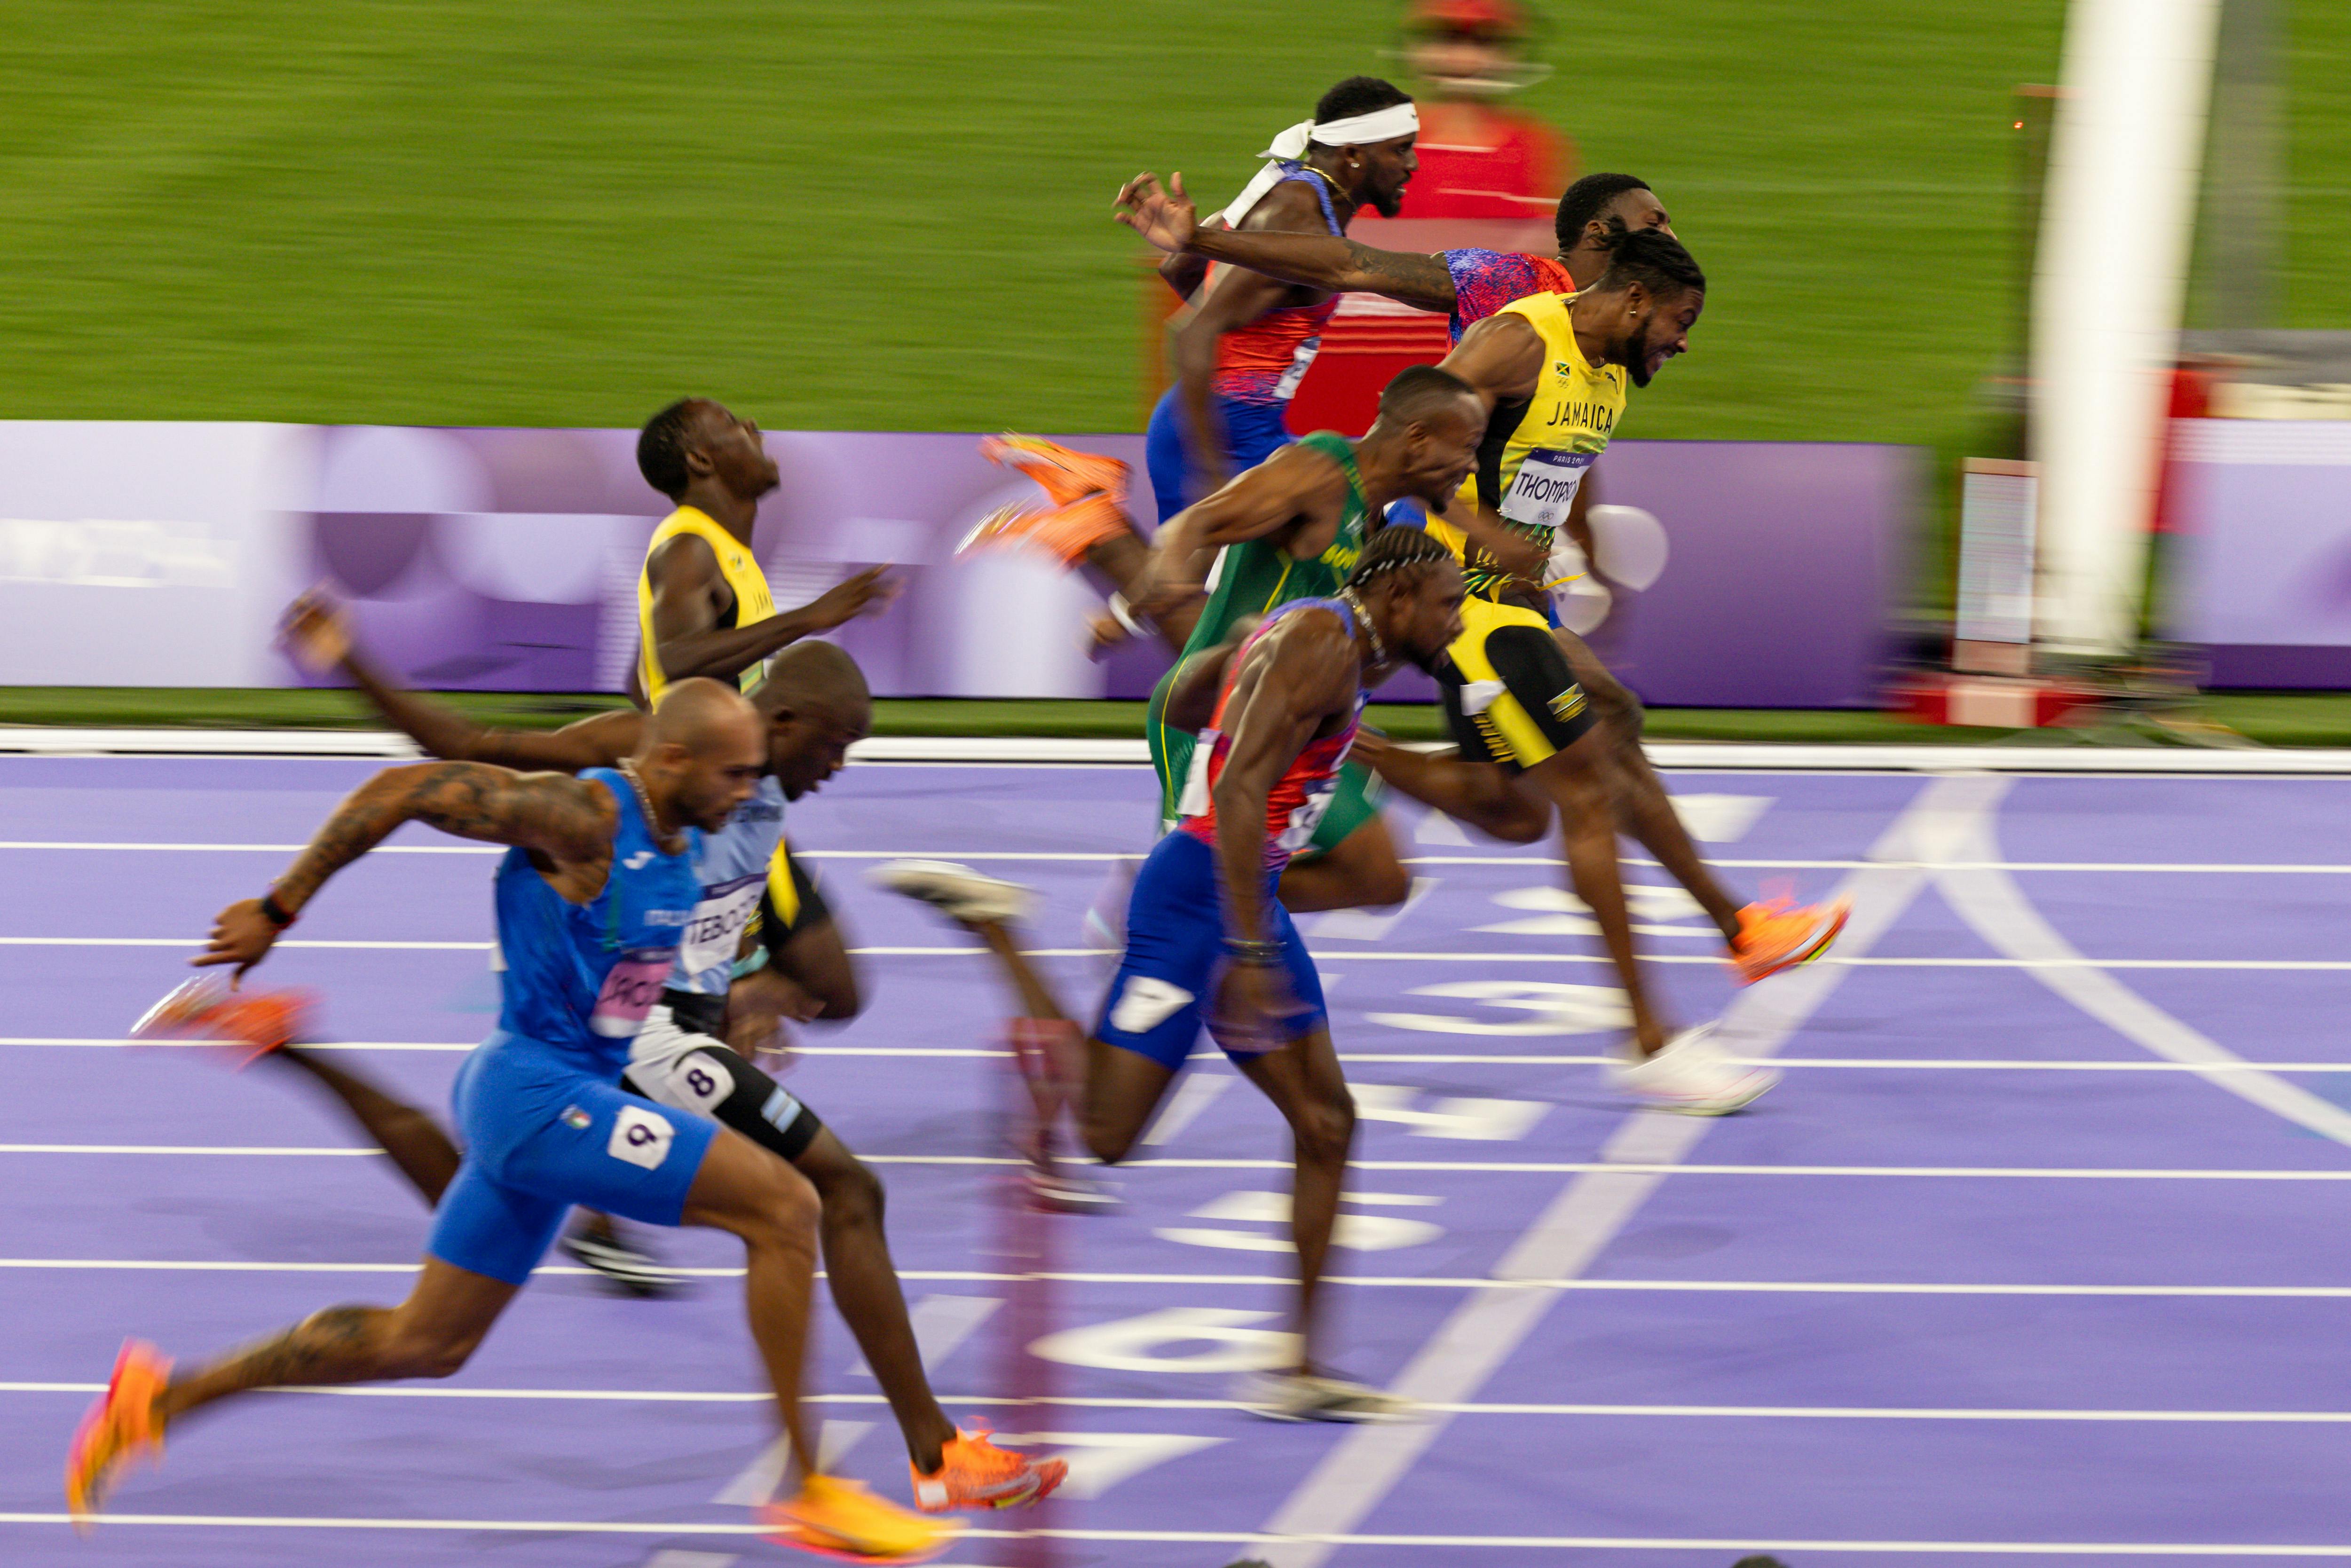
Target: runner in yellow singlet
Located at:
point(704, 608)
point(1552, 370)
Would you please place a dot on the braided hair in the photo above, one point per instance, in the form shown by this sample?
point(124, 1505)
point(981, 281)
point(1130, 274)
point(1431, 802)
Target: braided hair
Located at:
point(1655, 260)
point(1394, 550)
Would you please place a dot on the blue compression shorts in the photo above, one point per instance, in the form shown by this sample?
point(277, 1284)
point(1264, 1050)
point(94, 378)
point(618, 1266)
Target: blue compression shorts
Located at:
point(1253, 433)
point(1175, 953)
point(542, 1133)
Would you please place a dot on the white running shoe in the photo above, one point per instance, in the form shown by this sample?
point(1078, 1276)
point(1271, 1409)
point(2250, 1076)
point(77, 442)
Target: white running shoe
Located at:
point(1299, 1396)
point(956, 891)
point(1692, 1076)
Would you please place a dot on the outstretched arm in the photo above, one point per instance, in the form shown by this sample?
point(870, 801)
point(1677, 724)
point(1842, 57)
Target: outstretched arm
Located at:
point(319, 633)
point(1333, 263)
point(1477, 793)
point(687, 638)
point(565, 818)
point(1294, 481)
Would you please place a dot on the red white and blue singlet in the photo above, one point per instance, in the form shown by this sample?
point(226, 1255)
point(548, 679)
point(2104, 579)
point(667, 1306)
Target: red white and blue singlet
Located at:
point(1265, 360)
point(1295, 805)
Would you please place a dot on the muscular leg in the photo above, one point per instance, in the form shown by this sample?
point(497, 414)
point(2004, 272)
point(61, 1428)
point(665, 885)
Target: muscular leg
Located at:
point(1361, 872)
point(1642, 807)
point(1119, 1088)
point(1304, 1082)
point(1577, 781)
point(430, 1334)
point(423, 1153)
point(742, 1189)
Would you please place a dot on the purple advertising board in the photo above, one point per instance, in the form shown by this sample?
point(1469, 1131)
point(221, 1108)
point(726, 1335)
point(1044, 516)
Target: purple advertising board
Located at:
point(2262, 574)
point(506, 559)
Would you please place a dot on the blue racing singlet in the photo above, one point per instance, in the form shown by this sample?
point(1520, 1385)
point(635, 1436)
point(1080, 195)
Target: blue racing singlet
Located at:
point(732, 865)
point(582, 976)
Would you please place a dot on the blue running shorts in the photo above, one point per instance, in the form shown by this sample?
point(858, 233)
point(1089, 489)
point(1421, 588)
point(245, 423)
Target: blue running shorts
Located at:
point(1253, 433)
point(1176, 952)
point(542, 1133)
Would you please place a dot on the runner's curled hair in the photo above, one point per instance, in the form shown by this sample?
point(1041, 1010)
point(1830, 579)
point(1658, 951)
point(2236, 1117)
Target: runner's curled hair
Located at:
point(1394, 550)
point(1358, 95)
point(661, 446)
point(1655, 261)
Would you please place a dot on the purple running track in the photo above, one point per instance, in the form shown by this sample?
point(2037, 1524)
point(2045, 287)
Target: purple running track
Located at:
point(1982, 1272)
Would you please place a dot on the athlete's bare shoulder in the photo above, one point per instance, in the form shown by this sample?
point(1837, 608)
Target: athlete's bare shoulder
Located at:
point(1500, 357)
point(1289, 205)
point(687, 558)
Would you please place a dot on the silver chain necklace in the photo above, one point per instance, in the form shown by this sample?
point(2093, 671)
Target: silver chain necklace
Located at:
point(1364, 618)
point(644, 802)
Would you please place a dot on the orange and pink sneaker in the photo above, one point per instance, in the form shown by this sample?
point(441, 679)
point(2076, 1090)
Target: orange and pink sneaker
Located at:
point(121, 1426)
point(257, 1022)
point(1776, 936)
point(1066, 533)
point(831, 1517)
point(1066, 473)
point(975, 1473)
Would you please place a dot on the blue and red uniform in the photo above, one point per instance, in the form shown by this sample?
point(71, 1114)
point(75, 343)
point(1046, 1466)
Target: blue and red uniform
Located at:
point(1259, 367)
point(1485, 280)
point(1176, 920)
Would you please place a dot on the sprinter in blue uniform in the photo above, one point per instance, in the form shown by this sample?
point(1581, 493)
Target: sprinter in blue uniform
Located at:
point(592, 900)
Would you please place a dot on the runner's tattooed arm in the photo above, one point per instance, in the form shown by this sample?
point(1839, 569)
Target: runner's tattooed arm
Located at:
point(1331, 263)
point(568, 821)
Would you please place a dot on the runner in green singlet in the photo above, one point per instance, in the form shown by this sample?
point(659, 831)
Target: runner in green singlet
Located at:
point(1291, 529)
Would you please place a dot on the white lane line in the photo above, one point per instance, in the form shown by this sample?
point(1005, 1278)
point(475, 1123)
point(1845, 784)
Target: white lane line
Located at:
point(1486, 1284)
point(2191, 867)
point(1634, 1412)
point(1468, 1167)
point(1988, 901)
point(1411, 1058)
point(1483, 1167)
point(1228, 1538)
point(197, 942)
point(251, 849)
point(2075, 961)
point(1485, 1330)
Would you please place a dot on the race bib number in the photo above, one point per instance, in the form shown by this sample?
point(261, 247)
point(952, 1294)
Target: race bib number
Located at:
point(1545, 488)
point(714, 933)
point(640, 1136)
point(1299, 362)
point(1307, 816)
point(631, 989)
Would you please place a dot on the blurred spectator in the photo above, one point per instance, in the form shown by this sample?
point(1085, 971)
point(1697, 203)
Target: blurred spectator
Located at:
point(1479, 158)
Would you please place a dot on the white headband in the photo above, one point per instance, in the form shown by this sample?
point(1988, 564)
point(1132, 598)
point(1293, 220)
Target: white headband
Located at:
point(1355, 130)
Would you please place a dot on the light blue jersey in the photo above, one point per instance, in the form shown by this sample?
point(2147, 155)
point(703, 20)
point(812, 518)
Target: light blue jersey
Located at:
point(581, 977)
point(733, 866)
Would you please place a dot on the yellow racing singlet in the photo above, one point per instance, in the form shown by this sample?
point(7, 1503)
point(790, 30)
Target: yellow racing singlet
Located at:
point(735, 564)
point(1536, 449)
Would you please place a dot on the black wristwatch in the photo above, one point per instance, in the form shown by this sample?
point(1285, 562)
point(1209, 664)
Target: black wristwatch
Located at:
point(275, 912)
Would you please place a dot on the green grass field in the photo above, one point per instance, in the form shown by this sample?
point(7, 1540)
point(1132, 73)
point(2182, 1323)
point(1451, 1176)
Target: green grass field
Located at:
point(861, 217)
point(851, 216)
point(2271, 719)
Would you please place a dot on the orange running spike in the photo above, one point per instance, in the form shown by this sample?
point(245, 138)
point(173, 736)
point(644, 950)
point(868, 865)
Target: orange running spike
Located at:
point(1067, 474)
point(1774, 936)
